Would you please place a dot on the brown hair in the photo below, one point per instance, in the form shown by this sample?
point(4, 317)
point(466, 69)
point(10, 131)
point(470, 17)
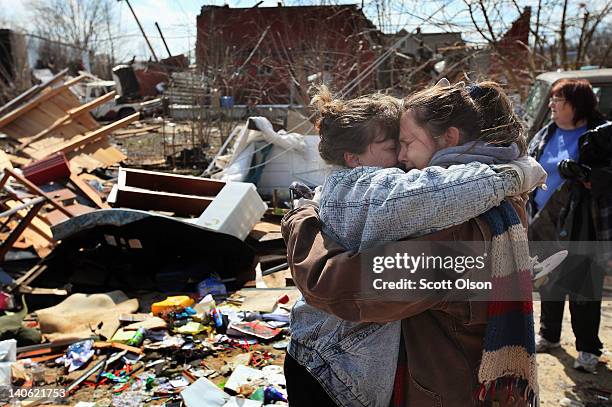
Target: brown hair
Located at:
point(500, 123)
point(579, 94)
point(440, 107)
point(351, 125)
point(480, 112)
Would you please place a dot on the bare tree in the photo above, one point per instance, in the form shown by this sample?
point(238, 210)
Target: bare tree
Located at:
point(562, 34)
point(74, 27)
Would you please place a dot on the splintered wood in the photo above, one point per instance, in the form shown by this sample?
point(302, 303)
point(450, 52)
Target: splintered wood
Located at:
point(55, 121)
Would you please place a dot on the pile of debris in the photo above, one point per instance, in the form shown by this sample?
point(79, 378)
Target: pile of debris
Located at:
point(178, 299)
point(56, 145)
point(123, 286)
point(207, 349)
point(53, 121)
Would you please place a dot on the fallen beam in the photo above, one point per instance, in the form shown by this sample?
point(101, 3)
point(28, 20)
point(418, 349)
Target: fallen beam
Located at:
point(15, 233)
point(88, 191)
point(73, 145)
point(40, 99)
point(35, 190)
point(32, 91)
point(71, 115)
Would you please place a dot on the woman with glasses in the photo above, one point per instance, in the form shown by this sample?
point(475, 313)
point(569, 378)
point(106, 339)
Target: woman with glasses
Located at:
point(565, 211)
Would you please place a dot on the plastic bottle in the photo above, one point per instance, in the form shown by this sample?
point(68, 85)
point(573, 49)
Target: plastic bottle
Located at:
point(138, 337)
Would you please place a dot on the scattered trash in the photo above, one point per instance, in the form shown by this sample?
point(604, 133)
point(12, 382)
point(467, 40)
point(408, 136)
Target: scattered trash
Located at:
point(171, 304)
point(203, 392)
point(255, 328)
point(78, 354)
point(212, 286)
point(183, 247)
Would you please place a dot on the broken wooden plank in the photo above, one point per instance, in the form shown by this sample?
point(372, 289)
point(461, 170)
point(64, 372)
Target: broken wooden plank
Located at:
point(39, 224)
point(32, 91)
point(30, 275)
point(37, 101)
point(71, 114)
point(118, 345)
point(18, 161)
point(88, 191)
point(35, 190)
point(25, 289)
point(5, 161)
point(15, 233)
point(164, 182)
point(35, 240)
point(135, 198)
point(265, 231)
point(142, 131)
point(78, 142)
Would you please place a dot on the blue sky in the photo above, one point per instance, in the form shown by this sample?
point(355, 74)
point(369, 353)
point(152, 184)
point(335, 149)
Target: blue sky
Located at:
point(177, 19)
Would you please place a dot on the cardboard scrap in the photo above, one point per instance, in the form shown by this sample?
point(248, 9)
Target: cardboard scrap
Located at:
point(79, 314)
point(264, 299)
point(149, 323)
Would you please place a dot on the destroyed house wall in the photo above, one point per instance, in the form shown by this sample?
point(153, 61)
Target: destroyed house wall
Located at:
point(415, 65)
point(265, 55)
point(512, 51)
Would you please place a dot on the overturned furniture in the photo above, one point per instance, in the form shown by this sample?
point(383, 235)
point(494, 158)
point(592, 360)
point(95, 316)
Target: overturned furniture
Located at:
point(226, 207)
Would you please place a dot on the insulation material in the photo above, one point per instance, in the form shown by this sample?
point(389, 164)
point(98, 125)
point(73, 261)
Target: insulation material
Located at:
point(81, 315)
point(292, 157)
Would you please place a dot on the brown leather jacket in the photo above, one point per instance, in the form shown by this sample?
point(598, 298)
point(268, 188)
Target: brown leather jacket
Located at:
point(443, 340)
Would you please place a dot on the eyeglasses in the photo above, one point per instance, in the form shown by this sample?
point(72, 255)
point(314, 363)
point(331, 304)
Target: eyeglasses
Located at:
point(557, 100)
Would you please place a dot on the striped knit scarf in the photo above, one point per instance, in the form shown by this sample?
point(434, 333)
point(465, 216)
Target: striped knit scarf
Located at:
point(508, 359)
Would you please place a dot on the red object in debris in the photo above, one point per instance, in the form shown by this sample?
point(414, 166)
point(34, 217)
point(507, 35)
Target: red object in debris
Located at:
point(283, 299)
point(48, 169)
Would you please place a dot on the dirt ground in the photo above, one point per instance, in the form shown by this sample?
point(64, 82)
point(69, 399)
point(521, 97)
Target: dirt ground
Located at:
point(557, 376)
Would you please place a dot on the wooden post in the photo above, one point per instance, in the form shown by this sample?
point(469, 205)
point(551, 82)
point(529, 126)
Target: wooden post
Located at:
point(15, 233)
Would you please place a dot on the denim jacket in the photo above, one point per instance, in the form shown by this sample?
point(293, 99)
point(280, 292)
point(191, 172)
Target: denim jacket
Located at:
point(356, 362)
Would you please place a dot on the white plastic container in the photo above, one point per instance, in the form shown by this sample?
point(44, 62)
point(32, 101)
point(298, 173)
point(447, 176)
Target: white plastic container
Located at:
point(234, 211)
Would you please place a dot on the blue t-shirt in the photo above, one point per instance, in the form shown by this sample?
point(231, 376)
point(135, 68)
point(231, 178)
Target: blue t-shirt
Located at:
point(561, 145)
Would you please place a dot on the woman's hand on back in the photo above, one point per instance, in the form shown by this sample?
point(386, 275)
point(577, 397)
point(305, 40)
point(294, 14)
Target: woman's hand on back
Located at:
point(530, 172)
